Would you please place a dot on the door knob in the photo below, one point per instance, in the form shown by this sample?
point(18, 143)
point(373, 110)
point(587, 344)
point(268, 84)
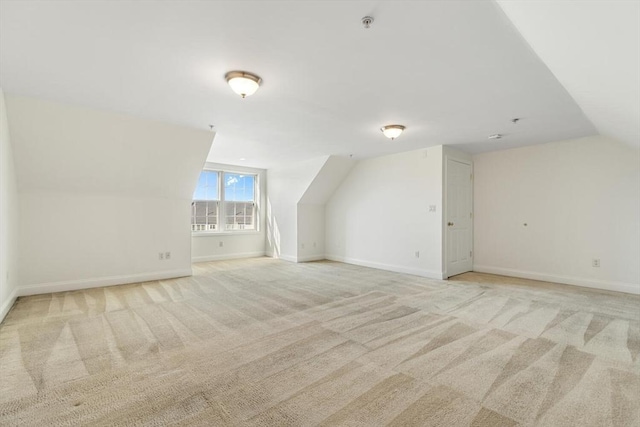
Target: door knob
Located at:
point(450, 224)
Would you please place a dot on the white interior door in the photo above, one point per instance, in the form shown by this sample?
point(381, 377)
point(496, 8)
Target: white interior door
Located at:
point(459, 218)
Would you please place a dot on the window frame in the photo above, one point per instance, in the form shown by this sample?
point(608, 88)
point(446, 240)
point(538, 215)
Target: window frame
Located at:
point(222, 220)
point(206, 201)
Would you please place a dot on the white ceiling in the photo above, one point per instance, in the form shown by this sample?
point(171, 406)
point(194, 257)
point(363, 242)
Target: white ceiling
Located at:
point(593, 48)
point(452, 72)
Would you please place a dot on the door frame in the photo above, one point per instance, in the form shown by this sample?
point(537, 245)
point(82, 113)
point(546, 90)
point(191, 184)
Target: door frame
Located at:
point(445, 211)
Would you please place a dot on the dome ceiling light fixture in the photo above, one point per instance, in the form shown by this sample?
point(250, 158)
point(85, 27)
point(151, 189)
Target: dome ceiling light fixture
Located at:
point(243, 83)
point(392, 131)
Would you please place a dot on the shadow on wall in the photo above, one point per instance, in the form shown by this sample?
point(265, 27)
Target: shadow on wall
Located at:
point(273, 233)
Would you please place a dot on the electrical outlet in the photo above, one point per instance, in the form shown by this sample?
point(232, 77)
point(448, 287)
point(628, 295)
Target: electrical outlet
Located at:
point(417, 254)
point(167, 255)
point(161, 256)
point(595, 262)
point(432, 208)
point(220, 244)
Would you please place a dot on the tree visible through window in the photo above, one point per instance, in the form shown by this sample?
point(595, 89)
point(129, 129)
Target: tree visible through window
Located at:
point(224, 204)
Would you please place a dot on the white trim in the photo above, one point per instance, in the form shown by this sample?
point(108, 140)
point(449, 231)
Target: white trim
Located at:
point(308, 258)
point(630, 288)
point(74, 285)
point(222, 217)
point(287, 258)
point(389, 267)
point(445, 209)
point(6, 307)
point(247, 170)
point(224, 233)
point(207, 258)
point(297, 259)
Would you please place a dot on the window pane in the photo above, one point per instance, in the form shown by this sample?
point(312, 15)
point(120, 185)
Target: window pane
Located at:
point(200, 209)
point(239, 188)
point(239, 216)
point(207, 188)
point(212, 209)
point(204, 216)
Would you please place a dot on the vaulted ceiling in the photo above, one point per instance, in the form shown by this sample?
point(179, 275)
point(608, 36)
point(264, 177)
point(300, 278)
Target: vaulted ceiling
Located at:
point(452, 72)
point(593, 48)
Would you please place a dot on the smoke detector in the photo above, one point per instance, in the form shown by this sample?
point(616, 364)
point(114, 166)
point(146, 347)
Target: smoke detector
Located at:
point(367, 21)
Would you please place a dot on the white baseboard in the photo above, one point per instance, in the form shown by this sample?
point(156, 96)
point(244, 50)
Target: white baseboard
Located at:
point(389, 267)
point(629, 288)
point(311, 258)
point(301, 258)
point(227, 256)
point(289, 258)
point(74, 285)
point(6, 306)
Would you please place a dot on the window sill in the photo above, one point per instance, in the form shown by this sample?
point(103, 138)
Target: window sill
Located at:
point(223, 233)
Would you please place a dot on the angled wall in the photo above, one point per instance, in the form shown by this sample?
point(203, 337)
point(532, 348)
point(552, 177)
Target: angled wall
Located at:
point(101, 195)
point(311, 208)
point(296, 195)
point(379, 217)
point(9, 217)
point(285, 187)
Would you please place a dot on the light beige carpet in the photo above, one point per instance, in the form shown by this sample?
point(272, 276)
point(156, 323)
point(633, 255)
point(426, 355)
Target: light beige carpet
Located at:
point(268, 343)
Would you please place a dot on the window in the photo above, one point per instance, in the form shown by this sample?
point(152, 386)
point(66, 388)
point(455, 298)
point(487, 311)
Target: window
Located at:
point(224, 201)
point(206, 201)
point(239, 197)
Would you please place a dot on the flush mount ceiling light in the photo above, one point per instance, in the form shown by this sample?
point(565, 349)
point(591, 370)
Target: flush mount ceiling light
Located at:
point(392, 131)
point(243, 83)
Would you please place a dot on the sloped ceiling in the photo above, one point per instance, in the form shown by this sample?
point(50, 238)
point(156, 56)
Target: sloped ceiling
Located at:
point(329, 177)
point(60, 148)
point(593, 48)
point(453, 72)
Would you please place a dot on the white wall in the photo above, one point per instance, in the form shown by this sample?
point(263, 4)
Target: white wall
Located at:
point(311, 207)
point(101, 194)
point(243, 244)
point(75, 241)
point(379, 216)
point(295, 207)
point(580, 200)
point(285, 188)
point(311, 233)
point(9, 217)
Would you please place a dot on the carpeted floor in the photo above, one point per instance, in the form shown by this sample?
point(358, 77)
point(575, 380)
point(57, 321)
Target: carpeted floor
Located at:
point(263, 342)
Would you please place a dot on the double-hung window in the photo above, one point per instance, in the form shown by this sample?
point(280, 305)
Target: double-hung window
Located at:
point(239, 201)
point(224, 201)
point(205, 207)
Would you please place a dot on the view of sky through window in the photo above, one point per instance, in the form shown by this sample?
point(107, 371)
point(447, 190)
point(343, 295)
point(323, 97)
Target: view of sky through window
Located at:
point(207, 188)
point(238, 187)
